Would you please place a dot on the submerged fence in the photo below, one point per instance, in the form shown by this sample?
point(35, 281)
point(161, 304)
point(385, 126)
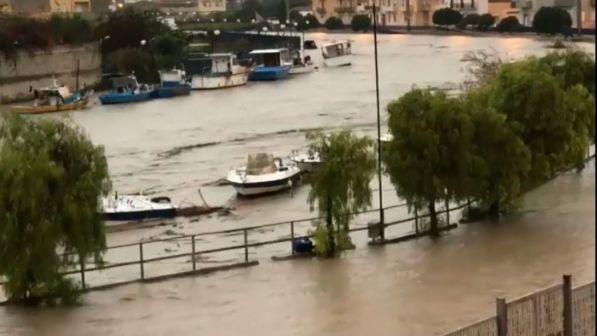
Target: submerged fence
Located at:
point(241, 249)
point(558, 310)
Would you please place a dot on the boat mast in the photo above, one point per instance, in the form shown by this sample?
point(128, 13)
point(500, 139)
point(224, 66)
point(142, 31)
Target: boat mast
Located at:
point(381, 211)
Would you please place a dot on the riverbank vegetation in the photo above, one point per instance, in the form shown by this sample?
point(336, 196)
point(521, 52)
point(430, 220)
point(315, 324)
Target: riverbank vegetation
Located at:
point(51, 180)
point(339, 186)
point(516, 127)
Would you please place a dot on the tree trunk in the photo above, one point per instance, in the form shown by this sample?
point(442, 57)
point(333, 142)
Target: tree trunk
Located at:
point(461, 4)
point(451, 3)
point(433, 227)
point(473, 4)
point(330, 228)
point(494, 209)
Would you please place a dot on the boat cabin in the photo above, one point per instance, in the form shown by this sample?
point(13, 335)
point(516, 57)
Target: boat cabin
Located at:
point(122, 84)
point(221, 63)
point(336, 49)
point(174, 77)
point(271, 57)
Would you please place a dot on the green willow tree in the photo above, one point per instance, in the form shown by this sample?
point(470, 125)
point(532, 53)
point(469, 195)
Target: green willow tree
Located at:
point(504, 159)
point(429, 158)
point(340, 186)
point(555, 124)
point(51, 180)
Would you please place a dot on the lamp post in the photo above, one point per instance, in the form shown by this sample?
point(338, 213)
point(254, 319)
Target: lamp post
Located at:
point(381, 211)
point(213, 40)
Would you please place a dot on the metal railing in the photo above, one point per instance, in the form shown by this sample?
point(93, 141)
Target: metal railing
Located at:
point(84, 268)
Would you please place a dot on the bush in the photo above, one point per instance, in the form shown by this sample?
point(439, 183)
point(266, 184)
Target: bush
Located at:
point(70, 29)
point(313, 22)
point(508, 24)
point(469, 20)
point(334, 23)
point(485, 21)
point(446, 17)
point(129, 60)
point(360, 23)
point(552, 20)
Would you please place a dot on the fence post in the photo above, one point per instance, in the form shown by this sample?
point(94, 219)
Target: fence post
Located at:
point(382, 223)
point(193, 255)
point(82, 265)
point(502, 316)
point(292, 237)
point(567, 292)
point(246, 247)
point(416, 220)
point(447, 204)
point(141, 261)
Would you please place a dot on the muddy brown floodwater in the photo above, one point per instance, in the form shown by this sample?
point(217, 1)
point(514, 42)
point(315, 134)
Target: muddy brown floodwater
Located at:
point(420, 287)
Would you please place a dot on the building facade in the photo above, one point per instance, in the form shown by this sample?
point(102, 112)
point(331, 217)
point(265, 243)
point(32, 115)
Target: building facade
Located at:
point(47, 7)
point(500, 9)
point(528, 8)
point(211, 6)
point(389, 12)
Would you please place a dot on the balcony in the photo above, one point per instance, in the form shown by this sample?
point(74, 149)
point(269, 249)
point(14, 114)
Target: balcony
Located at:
point(344, 10)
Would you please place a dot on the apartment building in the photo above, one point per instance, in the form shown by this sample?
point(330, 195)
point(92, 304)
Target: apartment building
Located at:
point(47, 7)
point(528, 8)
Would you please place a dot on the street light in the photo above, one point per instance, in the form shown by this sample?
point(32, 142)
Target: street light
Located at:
point(213, 40)
point(381, 211)
point(143, 42)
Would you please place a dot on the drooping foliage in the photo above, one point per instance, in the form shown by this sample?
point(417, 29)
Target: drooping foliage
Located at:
point(429, 158)
point(51, 180)
point(340, 186)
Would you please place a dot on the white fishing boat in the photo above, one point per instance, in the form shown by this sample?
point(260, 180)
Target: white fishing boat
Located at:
point(270, 64)
point(306, 161)
point(337, 53)
point(263, 174)
point(300, 63)
point(217, 71)
point(136, 208)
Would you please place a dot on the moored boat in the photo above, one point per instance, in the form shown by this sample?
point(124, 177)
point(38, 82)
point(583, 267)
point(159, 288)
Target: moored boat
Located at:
point(337, 53)
point(55, 98)
point(301, 64)
point(263, 174)
point(217, 71)
point(306, 161)
point(136, 208)
point(126, 89)
point(173, 83)
point(270, 64)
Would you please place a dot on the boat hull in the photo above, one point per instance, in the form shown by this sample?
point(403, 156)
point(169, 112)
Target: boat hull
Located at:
point(344, 60)
point(263, 188)
point(124, 98)
point(269, 73)
point(139, 215)
point(199, 82)
point(78, 105)
point(301, 69)
point(171, 91)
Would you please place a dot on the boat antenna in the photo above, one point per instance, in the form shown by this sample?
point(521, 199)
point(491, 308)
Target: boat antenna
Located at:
point(381, 210)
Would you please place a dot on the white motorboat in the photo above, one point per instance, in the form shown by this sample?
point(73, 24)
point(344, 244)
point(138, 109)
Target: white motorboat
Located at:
point(337, 53)
point(301, 64)
point(136, 208)
point(306, 161)
point(263, 174)
point(217, 71)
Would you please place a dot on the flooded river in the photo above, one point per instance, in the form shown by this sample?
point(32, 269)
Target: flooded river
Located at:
point(175, 147)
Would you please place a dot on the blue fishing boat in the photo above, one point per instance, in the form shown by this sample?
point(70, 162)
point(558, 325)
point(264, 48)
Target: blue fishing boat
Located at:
point(126, 89)
point(173, 83)
point(270, 64)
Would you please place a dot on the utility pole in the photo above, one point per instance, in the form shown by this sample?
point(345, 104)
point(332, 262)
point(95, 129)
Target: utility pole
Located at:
point(381, 211)
point(408, 15)
point(579, 16)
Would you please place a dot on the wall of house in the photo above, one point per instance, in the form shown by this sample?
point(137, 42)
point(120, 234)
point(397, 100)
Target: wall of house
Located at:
point(36, 69)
